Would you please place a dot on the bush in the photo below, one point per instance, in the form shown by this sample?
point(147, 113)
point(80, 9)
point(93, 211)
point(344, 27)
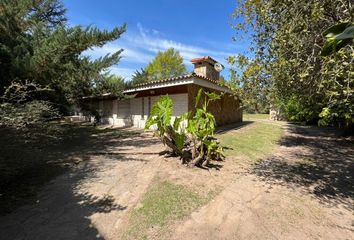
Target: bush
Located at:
point(20, 115)
point(190, 136)
point(337, 116)
point(295, 111)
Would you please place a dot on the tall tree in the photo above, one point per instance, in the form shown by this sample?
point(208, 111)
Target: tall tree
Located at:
point(41, 57)
point(287, 41)
point(138, 78)
point(110, 84)
point(165, 65)
point(249, 83)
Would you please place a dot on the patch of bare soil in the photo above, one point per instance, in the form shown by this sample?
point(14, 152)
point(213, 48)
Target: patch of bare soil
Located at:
point(303, 191)
point(90, 201)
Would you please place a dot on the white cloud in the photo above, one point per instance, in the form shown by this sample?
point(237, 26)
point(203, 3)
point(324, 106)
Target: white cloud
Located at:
point(128, 54)
point(136, 56)
point(154, 43)
point(123, 72)
point(141, 47)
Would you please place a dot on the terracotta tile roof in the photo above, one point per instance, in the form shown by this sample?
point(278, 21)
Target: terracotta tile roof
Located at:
point(191, 75)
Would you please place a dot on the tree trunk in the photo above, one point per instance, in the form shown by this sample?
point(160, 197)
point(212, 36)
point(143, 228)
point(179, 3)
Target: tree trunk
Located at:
point(195, 161)
point(171, 145)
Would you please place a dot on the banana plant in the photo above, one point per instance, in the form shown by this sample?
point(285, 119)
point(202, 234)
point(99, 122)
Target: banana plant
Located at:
point(196, 137)
point(337, 37)
point(161, 116)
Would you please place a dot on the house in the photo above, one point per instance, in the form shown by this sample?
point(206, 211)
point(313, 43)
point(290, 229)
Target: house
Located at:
point(182, 90)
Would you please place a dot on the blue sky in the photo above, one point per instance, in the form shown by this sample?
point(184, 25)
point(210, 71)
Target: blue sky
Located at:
point(195, 28)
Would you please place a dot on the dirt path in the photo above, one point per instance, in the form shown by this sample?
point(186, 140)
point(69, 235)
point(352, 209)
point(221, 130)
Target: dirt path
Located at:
point(90, 201)
point(250, 209)
point(303, 191)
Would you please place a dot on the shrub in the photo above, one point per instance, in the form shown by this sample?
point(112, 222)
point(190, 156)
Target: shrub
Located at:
point(23, 114)
point(296, 111)
point(190, 136)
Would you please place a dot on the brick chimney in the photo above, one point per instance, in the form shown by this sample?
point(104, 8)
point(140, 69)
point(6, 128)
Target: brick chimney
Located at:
point(204, 66)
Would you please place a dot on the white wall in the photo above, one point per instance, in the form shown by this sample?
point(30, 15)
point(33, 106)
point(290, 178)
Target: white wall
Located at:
point(135, 111)
point(129, 112)
point(123, 109)
point(180, 105)
point(122, 117)
point(119, 113)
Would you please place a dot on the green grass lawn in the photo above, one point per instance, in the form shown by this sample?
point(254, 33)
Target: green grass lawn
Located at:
point(163, 203)
point(254, 140)
point(255, 116)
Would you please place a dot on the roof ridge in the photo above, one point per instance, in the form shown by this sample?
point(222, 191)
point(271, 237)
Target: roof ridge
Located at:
point(164, 79)
point(193, 74)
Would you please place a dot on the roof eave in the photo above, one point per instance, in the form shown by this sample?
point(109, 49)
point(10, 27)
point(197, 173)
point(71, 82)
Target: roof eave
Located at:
point(191, 80)
point(161, 84)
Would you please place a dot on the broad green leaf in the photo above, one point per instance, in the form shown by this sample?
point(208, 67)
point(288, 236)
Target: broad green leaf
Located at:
point(337, 37)
point(213, 96)
point(197, 99)
point(180, 140)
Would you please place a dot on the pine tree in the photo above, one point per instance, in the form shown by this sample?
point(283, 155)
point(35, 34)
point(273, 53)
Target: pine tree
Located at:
point(41, 57)
point(138, 78)
point(110, 84)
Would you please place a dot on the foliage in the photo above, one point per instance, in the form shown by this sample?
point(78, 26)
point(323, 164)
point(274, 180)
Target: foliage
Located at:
point(138, 78)
point(201, 127)
point(287, 42)
point(41, 56)
point(250, 84)
point(26, 114)
point(190, 136)
point(337, 37)
point(165, 65)
point(170, 134)
point(110, 84)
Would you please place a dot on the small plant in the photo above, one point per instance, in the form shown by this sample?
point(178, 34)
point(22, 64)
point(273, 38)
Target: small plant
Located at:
point(191, 135)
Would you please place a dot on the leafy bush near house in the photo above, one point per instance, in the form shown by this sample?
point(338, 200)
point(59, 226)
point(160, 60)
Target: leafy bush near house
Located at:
point(26, 114)
point(191, 135)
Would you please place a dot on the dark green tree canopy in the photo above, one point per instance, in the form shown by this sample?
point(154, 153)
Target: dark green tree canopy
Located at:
point(41, 56)
point(138, 77)
point(110, 84)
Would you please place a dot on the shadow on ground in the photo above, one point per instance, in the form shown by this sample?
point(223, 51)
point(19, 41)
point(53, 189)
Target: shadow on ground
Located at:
point(31, 158)
point(323, 165)
point(70, 220)
point(232, 127)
